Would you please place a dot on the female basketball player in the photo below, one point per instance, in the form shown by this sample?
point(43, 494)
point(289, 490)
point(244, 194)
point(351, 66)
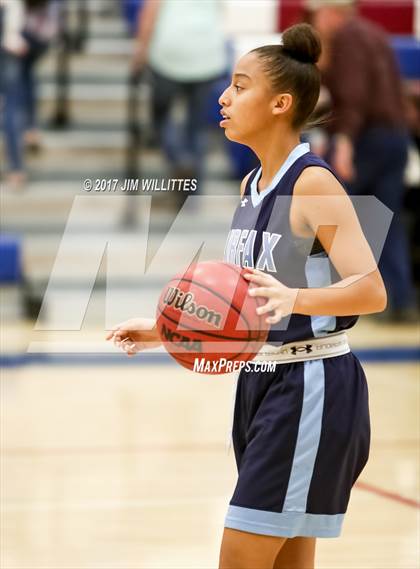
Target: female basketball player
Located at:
point(301, 434)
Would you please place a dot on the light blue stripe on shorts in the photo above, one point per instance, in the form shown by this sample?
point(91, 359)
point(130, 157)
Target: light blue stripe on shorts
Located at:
point(308, 437)
point(283, 524)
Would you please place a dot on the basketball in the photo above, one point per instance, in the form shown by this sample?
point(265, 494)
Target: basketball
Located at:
point(207, 315)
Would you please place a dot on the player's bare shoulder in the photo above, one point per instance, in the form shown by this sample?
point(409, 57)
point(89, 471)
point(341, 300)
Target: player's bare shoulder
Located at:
point(317, 181)
point(316, 194)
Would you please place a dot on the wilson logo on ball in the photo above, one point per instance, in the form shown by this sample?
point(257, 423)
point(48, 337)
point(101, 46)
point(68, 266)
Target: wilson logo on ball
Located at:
point(185, 302)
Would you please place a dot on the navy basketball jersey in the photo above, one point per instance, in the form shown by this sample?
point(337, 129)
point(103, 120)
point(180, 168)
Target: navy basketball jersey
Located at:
point(261, 237)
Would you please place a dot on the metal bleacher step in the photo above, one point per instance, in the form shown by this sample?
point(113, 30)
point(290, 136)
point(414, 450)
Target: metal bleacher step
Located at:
point(76, 166)
point(88, 92)
point(107, 112)
point(85, 67)
point(114, 257)
point(106, 48)
point(80, 260)
point(74, 139)
point(79, 154)
point(107, 28)
point(48, 204)
point(78, 161)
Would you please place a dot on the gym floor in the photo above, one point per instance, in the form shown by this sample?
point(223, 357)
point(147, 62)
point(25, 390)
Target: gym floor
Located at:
point(123, 463)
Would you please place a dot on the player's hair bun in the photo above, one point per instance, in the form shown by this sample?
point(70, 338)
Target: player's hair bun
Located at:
point(301, 42)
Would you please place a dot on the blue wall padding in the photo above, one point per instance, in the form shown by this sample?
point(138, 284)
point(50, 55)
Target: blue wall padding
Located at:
point(407, 50)
point(10, 259)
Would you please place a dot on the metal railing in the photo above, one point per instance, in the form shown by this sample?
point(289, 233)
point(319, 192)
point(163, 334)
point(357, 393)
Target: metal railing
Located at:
point(69, 41)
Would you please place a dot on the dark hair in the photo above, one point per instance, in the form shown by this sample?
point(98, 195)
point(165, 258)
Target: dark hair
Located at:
point(291, 66)
point(34, 4)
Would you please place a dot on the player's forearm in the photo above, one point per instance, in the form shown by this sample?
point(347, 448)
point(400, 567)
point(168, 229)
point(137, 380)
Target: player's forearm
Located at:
point(151, 334)
point(359, 294)
point(146, 24)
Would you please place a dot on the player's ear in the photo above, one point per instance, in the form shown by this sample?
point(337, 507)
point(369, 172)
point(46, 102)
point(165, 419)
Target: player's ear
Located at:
point(282, 103)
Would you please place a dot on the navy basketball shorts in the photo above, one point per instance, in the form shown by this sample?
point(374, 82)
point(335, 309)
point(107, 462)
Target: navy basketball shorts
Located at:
point(301, 438)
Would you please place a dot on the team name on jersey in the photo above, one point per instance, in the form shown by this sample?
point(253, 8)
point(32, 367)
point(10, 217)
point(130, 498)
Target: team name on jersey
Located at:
point(240, 249)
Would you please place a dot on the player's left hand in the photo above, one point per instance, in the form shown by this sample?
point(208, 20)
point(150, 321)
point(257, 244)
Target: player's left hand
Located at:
point(281, 299)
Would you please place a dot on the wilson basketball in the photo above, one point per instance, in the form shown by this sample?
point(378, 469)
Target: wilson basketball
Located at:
point(207, 315)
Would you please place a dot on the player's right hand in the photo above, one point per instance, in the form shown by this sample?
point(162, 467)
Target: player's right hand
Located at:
point(135, 335)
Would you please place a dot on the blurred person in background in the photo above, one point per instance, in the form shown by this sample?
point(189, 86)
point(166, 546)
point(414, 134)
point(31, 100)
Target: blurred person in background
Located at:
point(184, 47)
point(27, 29)
point(369, 139)
point(13, 47)
point(41, 27)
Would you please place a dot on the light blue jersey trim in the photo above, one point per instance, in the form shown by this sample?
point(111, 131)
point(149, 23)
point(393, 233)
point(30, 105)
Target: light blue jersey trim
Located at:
point(318, 274)
point(296, 153)
point(284, 524)
point(308, 437)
